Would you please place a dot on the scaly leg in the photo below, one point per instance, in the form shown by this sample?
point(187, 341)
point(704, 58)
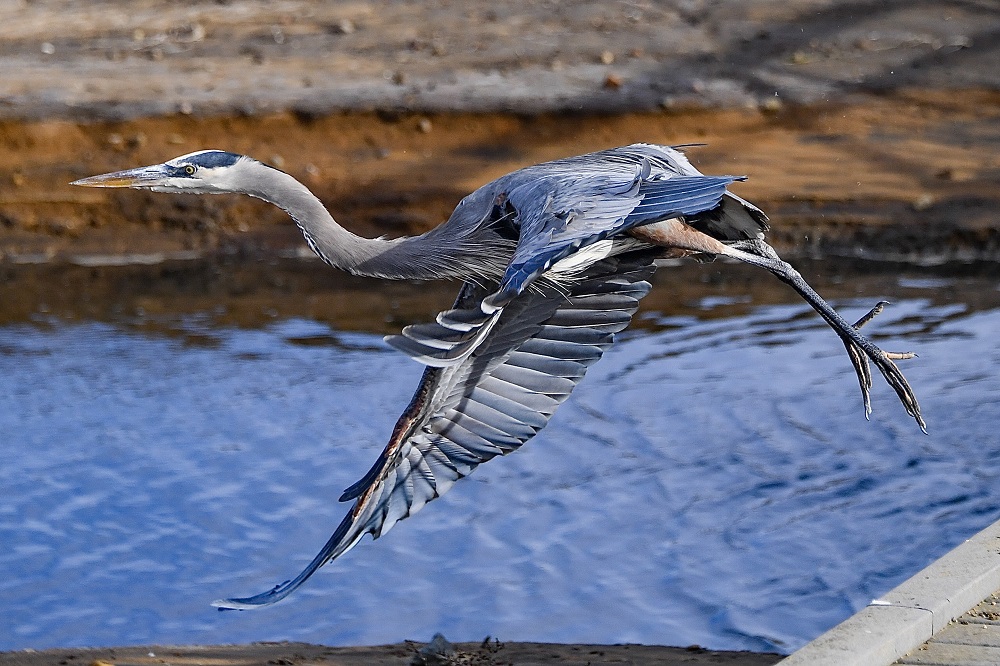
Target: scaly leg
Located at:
point(676, 234)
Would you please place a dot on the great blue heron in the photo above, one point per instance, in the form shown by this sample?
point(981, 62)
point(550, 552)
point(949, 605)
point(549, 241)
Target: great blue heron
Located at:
point(554, 259)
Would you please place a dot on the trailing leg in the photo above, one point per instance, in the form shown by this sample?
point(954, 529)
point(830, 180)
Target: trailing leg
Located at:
point(676, 234)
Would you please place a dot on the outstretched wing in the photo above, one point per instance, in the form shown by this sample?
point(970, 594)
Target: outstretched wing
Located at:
point(489, 404)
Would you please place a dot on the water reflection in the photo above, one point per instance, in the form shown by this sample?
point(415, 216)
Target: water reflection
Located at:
point(712, 481)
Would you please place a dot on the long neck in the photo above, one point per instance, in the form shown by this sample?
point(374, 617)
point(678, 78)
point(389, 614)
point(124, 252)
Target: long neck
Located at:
point(416, 257)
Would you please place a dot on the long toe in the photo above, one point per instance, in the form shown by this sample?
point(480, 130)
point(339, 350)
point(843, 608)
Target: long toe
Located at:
point(874, 312)
point(894, 377)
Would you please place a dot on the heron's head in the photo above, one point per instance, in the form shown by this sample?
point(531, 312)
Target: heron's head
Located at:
point(203, 172)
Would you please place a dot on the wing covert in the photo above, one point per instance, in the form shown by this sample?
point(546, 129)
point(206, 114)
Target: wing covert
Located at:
point(590, 210)
point(563, 217)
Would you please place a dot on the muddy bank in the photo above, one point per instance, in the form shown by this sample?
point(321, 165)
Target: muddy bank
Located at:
point(867, 128)
point(292, 654)
point(227, 292)
point(910, 177)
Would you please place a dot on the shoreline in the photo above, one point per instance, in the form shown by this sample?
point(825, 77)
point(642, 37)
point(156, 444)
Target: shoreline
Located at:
point(834, 179)
point(485, 653)
point(865, 131)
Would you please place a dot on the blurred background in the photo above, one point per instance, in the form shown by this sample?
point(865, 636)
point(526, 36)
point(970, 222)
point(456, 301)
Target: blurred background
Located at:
point(184, 391)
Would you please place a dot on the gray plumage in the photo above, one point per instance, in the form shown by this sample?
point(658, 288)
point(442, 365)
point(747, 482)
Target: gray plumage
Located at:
point(554, 259)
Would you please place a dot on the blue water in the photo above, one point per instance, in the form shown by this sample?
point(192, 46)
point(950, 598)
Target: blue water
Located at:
point(712, 481)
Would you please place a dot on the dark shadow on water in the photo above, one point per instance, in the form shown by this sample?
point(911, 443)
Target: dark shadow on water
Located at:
point(253, 294)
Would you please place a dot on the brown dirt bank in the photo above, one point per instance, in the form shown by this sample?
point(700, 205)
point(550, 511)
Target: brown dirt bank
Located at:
point(866, 126)
point(909, 176)
point(401, 654)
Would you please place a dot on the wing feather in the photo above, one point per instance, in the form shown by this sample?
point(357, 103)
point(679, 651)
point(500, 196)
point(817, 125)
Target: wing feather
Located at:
point(479, 447)
point(562, 349)
point(505, 441)
point(534, 381)
point(572, 317)
point(475, 407)
point(554, 366)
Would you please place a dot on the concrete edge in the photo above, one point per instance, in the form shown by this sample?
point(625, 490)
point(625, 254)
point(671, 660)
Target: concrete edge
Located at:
point(910, 614)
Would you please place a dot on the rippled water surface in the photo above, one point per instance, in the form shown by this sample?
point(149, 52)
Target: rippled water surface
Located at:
point(712, 481)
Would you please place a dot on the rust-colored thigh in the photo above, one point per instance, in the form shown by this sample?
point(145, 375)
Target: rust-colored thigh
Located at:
point(677, 235)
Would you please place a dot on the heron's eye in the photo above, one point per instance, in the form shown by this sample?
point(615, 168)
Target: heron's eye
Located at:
point(189, 170)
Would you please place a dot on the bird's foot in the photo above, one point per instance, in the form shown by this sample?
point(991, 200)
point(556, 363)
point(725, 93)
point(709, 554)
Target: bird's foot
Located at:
point(860, 349)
